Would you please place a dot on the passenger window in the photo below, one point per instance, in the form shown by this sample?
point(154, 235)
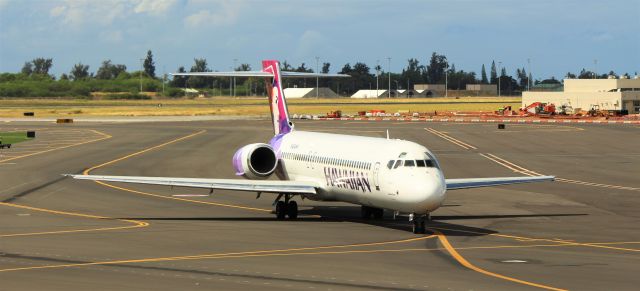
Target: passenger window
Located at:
point(420, 163)
point(398, 164)
point(409, 163)
point(390, 164)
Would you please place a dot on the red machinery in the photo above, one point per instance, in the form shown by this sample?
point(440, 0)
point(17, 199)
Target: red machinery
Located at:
point(539, 108)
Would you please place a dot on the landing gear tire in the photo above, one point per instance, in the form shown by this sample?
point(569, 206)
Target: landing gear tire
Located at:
point(292, 210)
point(281, 209)
point(419, 225)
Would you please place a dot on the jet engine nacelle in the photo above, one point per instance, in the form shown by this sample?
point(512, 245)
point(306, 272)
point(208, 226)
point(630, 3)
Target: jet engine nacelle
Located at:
point(255, 161)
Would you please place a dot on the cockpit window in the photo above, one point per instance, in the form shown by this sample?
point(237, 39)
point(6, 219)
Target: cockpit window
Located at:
point(390, 164)
point(420, 163)
point(433, 161)
point(409, 163)
point(430, 164)
point(398, 164)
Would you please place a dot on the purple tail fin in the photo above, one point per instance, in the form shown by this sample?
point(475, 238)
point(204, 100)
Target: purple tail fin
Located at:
point(277, 102)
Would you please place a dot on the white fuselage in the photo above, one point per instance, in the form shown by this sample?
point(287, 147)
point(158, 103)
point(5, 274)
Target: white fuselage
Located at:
point(383, 173)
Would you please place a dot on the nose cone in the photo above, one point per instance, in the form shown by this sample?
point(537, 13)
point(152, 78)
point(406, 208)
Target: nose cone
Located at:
point(424, 194)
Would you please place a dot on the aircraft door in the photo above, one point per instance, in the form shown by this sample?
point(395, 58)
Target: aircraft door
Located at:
point(376, 171)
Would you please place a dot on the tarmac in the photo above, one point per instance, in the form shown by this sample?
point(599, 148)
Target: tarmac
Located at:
point(581, 232)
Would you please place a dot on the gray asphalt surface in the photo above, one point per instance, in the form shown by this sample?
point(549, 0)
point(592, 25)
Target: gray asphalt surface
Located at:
point(580, 233)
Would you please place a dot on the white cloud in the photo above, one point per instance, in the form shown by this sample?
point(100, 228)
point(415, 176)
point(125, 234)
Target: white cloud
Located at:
point(105, 12)
point(153, 6)
point(226, 13)
point(79, 12)
point(58, 11)
point(3, 3)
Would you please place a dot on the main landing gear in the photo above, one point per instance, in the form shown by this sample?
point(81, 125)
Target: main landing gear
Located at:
point(418, 222)
point(287, 207)
point(367, 212)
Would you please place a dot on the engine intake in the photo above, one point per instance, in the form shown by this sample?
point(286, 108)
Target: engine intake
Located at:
point(255, 161)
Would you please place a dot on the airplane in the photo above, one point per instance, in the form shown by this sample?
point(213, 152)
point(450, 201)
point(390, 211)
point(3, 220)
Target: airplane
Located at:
point(376, 173)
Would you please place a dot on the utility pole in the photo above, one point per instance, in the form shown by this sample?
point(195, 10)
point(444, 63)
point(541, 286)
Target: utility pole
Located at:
point(377, 74)
point(141, 69)
point(529, 77)
point(499, 76)
point(595, 70)
point(317, 72)
point(234, 78)
point(389, 76)
point(446, 80)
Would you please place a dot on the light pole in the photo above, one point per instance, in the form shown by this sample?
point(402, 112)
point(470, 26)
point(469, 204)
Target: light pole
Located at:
point(234, 78)
point(446, 81)
point(164, 79)
point(141, 69)
point(389, 76)
point(499, 76)
point(529, 77)
point(317, 72)
point(377, 74)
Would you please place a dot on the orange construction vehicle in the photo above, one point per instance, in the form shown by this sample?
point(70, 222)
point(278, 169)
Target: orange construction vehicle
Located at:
point(334, 114)
point(538, 108)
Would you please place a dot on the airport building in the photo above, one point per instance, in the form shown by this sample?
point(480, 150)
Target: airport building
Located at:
point(585, 94)
point(322, 92)
point(483, 89)
point(370, 94)
point(430, 90)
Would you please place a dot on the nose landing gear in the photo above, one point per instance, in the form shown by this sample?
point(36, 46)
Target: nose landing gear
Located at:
point(418, 222)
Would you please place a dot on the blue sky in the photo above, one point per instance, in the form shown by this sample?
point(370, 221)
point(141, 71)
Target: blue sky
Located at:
point(558, 36)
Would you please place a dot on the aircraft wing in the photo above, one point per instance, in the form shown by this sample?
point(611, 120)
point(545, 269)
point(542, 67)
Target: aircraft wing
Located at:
point(454, 184)
point(284, 74)
point(270, 186)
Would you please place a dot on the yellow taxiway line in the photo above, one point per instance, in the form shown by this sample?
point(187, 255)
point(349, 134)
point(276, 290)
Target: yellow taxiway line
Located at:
point(104, 136)
point(216, 256)
point(135, 222)
point(454, 253)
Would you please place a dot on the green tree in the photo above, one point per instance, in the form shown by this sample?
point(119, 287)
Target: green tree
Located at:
point(435, 70)
point(361, 78)
point(484, 76)
point(199, 65)
point(585, 74)
point(521, 74)
point(570, 75)
point(109, 71)
point(325, 68)
point(494, 73)
point(413, 73)
point(27, 69)
point(42, 65)
point(179, 81)
point(149, 65)
point(79, 72)
point(285, 66)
